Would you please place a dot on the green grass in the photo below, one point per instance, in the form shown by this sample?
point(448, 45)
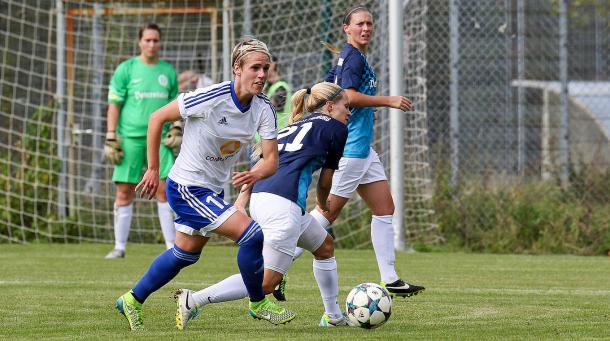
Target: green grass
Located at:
point(68, 292)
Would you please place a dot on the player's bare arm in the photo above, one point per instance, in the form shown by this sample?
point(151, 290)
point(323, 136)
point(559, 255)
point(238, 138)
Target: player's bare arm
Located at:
point(360, 100)
point(324, 185)
point(150, 182)
point(112, 117)
point(263, 169)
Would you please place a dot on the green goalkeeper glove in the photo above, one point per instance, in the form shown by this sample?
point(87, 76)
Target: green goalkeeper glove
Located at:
point(173, 138)
point(112, 148)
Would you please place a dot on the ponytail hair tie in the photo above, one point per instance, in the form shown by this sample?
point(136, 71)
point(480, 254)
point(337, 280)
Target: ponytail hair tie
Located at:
point(308, 90)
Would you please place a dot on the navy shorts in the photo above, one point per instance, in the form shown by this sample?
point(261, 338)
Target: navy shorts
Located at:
point(198, 210)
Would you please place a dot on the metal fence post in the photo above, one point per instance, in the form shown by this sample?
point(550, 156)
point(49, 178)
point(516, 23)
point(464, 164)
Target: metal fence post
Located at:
point(395, 17)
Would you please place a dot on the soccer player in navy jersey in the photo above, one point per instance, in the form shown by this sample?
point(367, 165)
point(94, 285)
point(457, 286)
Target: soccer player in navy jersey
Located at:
point(314, 139)
point(219, 120)
point(360, 169)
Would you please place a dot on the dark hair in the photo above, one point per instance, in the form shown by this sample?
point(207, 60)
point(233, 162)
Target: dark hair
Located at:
point(349, 12)
point(149, 26)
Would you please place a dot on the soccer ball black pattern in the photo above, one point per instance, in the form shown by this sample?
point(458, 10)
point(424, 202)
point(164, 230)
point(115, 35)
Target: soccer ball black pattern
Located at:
point(368, 306)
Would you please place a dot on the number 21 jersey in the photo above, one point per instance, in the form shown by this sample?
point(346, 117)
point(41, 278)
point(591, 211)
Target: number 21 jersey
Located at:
point(304, 147)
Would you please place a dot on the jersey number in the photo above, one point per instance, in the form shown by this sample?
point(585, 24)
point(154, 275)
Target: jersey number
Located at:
point(296, 142)
point(212, 200)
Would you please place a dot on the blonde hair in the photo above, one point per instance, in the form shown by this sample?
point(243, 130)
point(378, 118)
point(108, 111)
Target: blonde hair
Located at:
point(246, 46)
point(348, 14)
point(306, 101)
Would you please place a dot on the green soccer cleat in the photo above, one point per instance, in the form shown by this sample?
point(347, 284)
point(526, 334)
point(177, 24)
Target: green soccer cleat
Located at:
point(327, 321)
point(269, 311)
point(280, 290)
point(187, 308)
point(131, 309)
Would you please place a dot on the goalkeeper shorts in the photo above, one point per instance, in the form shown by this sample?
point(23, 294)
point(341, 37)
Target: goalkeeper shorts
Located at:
point(134, 162)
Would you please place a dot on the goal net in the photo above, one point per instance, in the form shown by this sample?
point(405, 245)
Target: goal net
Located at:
point(56, 60)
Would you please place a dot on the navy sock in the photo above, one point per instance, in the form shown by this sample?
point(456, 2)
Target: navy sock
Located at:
point(162, 270)
point(250, 260)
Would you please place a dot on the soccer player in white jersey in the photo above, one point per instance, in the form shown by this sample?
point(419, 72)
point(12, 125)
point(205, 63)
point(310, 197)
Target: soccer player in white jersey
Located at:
point(360, 169)
point(219, 120)
point(278, 203)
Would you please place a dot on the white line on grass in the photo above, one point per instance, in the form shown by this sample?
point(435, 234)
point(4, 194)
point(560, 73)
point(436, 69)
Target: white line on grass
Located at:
point(429, 291)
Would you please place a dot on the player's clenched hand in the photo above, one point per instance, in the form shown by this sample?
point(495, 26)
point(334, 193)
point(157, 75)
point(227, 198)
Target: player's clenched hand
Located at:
point(112, 148)
point(245, 178)
point(149, 184)
point(400, 102)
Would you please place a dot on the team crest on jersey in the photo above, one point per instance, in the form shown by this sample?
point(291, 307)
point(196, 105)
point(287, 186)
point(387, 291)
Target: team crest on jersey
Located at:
point(230, 148)
point(163, 80)
point(227, 151)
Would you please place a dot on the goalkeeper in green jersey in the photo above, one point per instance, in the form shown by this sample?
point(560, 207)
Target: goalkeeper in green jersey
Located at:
point(139, 86)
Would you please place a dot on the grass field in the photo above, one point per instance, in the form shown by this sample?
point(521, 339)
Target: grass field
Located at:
point(68, 292)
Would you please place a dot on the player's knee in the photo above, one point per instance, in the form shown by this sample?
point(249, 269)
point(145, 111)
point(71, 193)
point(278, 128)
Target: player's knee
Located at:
point(326, 250)
point(161, 196)
point(386, 208)
point(124, 198)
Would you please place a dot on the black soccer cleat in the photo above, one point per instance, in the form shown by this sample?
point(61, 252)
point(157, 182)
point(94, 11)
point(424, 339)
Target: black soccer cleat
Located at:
point(402, 289)
point(280, 290)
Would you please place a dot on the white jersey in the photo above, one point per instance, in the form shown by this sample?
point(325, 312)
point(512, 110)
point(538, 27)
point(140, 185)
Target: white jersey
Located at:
point(216, 127)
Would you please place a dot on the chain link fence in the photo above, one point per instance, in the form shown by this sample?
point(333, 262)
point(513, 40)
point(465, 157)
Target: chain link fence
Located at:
point(519, 123)
point(507, 148)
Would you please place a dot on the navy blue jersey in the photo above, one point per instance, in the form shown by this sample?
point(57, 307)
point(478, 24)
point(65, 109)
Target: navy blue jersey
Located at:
point(307, 145)
point(353, 71)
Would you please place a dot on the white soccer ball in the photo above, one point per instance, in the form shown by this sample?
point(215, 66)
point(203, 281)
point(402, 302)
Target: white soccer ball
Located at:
point(368, 306)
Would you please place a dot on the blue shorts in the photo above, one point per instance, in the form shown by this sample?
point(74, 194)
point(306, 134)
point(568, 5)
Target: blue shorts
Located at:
point(198, 210)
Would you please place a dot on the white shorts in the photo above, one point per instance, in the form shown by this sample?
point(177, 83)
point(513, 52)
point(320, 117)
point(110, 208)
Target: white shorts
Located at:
point(353, 172)
point(285, 227)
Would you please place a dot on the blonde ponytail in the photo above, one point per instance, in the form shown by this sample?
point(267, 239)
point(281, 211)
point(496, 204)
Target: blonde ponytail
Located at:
point(332, 48)
point(306, 101)
point(311, 99)
point(298, 99)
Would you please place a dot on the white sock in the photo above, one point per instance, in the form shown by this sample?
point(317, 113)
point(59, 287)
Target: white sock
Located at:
point(325, 272)
point(122, 223)
point(382, 236)
point(166, 218)
point(229, 289)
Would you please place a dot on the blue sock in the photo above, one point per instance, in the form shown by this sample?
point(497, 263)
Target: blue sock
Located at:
point(162, 270)
point(250, 260)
